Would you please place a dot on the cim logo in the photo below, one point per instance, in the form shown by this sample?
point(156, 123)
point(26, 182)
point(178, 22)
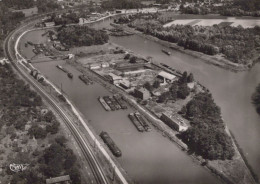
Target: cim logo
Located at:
point(18, 167)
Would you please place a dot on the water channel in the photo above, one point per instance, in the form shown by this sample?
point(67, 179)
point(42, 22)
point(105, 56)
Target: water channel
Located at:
point(150, 157)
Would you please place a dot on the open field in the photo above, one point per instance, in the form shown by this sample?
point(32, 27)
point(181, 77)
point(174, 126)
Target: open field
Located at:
point(210, 22)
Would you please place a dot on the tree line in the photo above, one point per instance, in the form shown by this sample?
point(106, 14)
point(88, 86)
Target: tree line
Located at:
point(237, 44)
point(76, 36)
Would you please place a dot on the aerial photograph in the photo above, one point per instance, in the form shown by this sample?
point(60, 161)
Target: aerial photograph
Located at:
point(129, 91)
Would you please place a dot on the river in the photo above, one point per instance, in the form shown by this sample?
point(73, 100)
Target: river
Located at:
point(150, 157)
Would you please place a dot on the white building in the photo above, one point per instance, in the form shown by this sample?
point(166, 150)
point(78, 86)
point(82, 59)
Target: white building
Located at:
point(94, 66)
point(166, 77)
point(174, 121)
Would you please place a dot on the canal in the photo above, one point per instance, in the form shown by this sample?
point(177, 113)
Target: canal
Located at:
point(150, 157)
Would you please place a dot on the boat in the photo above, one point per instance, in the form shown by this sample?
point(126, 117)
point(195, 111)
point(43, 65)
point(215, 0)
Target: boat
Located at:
point(109, 103)
point(104, 104)
point(117, 106)
point(142, 121)
point(70, 75)
point(111, 144)
point(120, 101)
point(166, 52)
point(84, 79)
point(137, 124)
point(61, 68)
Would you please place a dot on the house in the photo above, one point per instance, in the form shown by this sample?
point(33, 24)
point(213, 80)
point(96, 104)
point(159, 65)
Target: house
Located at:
point(142, 93)
point(166, 77)
point(94, 66)
point(174, 121)
point(191, 85)
point(4, 61)
point(115, 79)
point(49, 24)
point(57, 180)
point(105, 65)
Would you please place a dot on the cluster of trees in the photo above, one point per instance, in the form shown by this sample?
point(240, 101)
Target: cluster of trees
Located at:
point(58, 159)
point(206, 136)
point(65, 18)
point(74, 36)
point(238, 44)
point(18, 4)
point(121, 4)
point(248, 5)
point(256, 99)
point(47, 6)
point(195, 10)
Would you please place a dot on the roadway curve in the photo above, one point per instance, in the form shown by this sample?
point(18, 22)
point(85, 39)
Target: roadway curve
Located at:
point(13, 55)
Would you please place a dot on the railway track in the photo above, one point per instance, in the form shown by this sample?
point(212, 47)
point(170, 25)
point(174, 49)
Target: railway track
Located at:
point(85, 147)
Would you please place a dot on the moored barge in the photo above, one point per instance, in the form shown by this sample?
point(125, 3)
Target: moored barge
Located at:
point(111, 144)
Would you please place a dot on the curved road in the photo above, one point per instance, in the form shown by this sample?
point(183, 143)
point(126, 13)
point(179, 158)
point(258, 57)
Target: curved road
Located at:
point(13, 55)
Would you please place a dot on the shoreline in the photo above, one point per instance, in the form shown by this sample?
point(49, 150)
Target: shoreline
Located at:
point(212, 60)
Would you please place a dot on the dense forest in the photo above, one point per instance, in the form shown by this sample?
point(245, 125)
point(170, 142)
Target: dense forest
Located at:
point(24, 117)
point(18, 4)
point(256, 99)
point(248, 5)
point(8, 21)
point(121, 4)
point(47, 6)
point(238, 44)
point(76, 36)
point(206, 136)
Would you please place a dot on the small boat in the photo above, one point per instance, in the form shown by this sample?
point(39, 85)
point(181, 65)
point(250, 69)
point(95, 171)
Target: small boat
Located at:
point(166, 52)
point(70, 75)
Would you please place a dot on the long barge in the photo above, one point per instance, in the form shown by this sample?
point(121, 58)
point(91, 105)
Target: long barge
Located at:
point(85, 79)
point(109, 103)
point(104, 104)
point(117, 106)
point(111, 144)
point(142, 121)
point(137, 124)
point(166, 52)
point(120, 101)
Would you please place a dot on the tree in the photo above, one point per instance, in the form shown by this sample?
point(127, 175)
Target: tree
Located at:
point(164, 97)
point(148, 86)
point(133, 59)
point(183, 91)
point(37, 131)
point(183, 78)
point(156, 84)
point(173, 90)
point(127, 56)
point(190, 78)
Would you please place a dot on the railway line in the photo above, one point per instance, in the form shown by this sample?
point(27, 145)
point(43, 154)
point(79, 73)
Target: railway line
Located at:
point(88, 154)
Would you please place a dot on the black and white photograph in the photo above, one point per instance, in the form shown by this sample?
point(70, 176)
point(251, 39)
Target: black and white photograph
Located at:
point(129, 91)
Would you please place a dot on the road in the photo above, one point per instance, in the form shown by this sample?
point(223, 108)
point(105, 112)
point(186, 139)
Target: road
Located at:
point(12, 54)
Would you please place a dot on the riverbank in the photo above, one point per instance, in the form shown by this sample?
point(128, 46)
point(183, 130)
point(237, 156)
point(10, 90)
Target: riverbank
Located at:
point(216, 60)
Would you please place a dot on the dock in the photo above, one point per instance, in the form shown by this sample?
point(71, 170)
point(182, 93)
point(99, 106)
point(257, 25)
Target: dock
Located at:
point(104, 104)
point(137, 124)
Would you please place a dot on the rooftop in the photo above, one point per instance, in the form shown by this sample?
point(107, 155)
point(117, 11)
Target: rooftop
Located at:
point(167, 75)
point(58, 179)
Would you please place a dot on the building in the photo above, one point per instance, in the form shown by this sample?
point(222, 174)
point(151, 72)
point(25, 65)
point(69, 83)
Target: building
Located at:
point(174, 121)
point(125, 84)
point(58, 180)
point(94, 66)
point(105, 65)
point(3, 61)
point(142, 93)
point(115, 79)
point(166, 77)
point(49, 24)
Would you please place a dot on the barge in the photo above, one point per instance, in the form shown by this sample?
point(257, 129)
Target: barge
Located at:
point(109, 103)
point(166, 52)
point(70, 75)
point(137, 124)
point(111, 144)
point(142, 121)
point(120, 101)
point(85, 79)
point(117, 106)
point(61, 68)
point(104, 104)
